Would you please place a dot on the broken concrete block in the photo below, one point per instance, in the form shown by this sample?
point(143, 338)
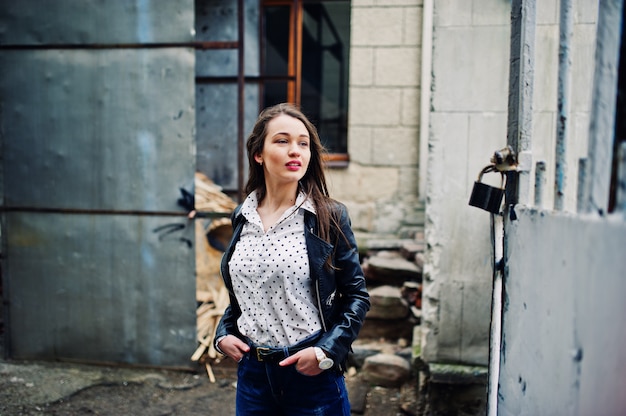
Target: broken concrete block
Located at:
point(391, 268)
point(386, 370)
point(410, 249)
point(387, 303)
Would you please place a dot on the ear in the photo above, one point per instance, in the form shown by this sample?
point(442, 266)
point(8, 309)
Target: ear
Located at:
point(258, 159)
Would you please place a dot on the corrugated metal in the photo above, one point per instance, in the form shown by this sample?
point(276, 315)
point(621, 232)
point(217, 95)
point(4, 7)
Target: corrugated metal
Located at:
point(101, 288)
point(80, 22)
point(97, 129)
point(97, 141)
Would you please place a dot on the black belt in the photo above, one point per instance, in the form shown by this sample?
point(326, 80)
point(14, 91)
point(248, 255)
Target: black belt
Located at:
point(272, 355)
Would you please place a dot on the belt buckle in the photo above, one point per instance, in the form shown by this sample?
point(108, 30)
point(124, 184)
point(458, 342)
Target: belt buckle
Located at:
point(261, 350)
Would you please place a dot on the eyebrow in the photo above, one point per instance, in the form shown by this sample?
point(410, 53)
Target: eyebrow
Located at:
point(287, 134)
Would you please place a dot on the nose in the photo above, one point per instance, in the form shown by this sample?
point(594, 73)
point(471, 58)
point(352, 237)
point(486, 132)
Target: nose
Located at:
point(294, 149)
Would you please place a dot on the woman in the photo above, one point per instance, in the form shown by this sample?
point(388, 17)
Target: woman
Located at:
point(297, 291)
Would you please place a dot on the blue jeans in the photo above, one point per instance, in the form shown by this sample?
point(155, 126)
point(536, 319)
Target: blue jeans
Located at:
point(265, 389)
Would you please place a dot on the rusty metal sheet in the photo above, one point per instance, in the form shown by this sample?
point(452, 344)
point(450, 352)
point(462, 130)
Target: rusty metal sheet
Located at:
point(80, 22)
point(97, 129)
point(101, 288)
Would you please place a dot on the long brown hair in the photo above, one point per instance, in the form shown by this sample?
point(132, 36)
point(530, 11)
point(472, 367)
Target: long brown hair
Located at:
point(313, 184)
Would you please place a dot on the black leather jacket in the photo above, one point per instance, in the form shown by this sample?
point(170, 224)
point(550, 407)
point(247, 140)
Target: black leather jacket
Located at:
point(341, 293)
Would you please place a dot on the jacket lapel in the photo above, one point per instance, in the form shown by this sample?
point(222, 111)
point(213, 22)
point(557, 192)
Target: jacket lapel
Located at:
point(318, 249)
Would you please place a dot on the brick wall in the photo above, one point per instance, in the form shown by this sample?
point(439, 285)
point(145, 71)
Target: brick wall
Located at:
point(380, 184)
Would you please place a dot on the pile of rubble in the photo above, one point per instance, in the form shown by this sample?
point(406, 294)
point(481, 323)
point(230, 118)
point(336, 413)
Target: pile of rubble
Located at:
point(387, 352)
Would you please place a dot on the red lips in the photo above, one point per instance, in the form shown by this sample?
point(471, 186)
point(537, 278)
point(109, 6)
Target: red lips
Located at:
point(293, 165)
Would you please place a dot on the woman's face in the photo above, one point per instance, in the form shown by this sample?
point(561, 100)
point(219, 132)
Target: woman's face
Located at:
point(286, 151)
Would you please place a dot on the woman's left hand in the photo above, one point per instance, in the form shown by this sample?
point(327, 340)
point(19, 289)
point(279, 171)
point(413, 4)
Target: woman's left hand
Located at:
point(305, 361)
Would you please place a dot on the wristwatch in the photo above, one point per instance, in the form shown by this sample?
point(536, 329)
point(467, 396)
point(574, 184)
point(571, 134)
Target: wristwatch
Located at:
point(324, 362)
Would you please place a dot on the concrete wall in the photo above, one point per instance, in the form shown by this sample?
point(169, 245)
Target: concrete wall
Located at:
point(563, 344)
point(545, 93)
point(467, 123)
point(380, 184)
point(562, 331)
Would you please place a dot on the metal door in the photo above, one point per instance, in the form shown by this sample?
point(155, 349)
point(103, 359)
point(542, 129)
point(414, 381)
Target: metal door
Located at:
point(97, 137)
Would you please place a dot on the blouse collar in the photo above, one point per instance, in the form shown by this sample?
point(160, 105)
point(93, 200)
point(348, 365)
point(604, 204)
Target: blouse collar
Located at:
point(251, 203)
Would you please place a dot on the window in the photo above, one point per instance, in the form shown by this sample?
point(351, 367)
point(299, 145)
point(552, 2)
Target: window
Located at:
point(292, 50)
point(307, 62)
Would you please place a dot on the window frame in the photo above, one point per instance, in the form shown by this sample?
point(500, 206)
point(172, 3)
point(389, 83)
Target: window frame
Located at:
point(294, 75)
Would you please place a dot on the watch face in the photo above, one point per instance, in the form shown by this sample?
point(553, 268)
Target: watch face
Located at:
point(326, 363)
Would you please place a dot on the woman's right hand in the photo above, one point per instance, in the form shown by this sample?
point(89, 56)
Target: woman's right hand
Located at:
point(233, 347)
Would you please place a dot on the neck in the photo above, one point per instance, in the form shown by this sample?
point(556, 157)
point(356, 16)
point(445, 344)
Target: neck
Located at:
point(279, 197)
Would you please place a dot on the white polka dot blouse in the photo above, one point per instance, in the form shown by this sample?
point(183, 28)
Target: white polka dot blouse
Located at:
point(271, 278)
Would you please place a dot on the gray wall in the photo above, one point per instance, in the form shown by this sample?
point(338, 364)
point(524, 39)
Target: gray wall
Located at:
point(97, 138)
point(380, 185)
point(562, 324)
point(563, 329)
point(467, 123)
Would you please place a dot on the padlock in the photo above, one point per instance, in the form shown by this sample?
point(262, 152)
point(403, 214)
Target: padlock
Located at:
point(485, 196)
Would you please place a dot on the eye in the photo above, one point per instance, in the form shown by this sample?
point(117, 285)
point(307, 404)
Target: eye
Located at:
point(304, 143)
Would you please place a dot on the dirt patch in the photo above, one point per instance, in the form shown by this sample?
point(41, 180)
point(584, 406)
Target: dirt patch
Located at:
point(75, 389)
point(144, 399)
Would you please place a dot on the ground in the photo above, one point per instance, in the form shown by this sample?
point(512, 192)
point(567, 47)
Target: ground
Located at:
point(30, 388)
point(56, 388)
point(71, 389)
